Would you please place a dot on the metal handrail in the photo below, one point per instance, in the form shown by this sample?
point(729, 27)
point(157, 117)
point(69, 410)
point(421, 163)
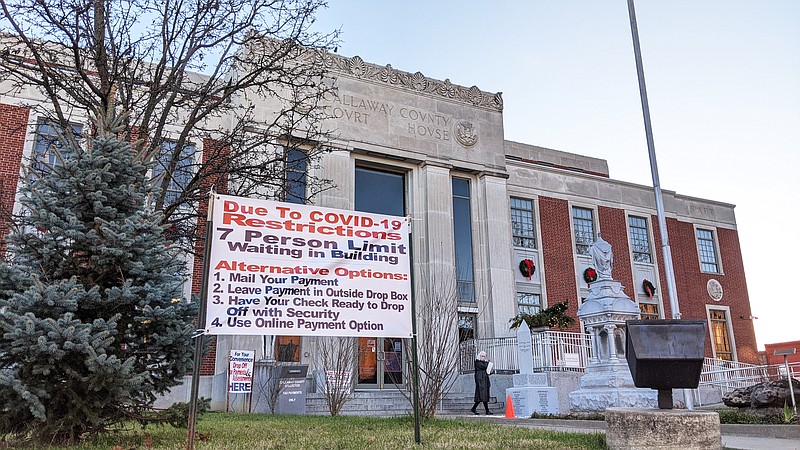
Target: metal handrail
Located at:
point(553, 351)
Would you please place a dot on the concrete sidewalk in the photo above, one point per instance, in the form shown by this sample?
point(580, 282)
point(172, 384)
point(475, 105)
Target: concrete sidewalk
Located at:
point(743, 437)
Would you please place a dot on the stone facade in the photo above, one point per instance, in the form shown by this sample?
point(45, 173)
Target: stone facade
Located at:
point(431, 131)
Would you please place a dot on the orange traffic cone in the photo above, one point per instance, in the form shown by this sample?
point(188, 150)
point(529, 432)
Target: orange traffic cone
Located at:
point(510, 408)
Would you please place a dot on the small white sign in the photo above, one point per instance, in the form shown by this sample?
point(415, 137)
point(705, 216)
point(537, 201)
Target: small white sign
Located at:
point(240, 371)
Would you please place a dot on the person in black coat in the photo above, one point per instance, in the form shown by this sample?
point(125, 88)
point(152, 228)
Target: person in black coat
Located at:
point(482, 383)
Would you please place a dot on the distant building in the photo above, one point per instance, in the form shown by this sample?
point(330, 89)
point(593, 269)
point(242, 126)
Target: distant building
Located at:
point(512, 221)
point(771, 358)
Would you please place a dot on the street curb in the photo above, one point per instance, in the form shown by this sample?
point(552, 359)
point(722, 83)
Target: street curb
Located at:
point(599, 426)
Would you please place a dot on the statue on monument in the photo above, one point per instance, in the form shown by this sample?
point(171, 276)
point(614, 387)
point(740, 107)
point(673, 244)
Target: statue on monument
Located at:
point(602, 258)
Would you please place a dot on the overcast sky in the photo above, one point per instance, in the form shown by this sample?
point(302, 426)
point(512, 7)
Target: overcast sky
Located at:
point(723, 81)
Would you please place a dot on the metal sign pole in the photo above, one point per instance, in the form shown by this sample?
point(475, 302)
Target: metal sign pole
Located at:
point(414, 360)
point(785, 353)
point(789, 379)
point(199, 336)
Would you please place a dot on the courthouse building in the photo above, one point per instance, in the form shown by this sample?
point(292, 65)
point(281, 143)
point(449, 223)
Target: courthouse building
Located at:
point(511, 221)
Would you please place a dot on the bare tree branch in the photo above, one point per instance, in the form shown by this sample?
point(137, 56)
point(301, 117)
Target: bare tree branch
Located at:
point(437, 341)
point(335, 357)
point(192, 72)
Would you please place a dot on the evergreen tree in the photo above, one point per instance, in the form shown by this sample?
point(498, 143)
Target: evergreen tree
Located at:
point(92, 320)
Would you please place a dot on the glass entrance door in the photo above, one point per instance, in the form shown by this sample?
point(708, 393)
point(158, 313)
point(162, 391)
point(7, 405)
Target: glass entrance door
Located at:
point(380, 363)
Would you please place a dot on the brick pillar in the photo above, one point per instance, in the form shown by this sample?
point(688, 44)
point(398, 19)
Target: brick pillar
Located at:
point(13, 129)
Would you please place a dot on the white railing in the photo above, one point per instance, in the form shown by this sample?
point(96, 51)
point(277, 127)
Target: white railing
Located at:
point(730, 375)
point(553, 351)
point(501, 351)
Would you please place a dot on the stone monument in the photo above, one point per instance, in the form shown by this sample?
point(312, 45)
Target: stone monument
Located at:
point(607, 381)
point(531, 392)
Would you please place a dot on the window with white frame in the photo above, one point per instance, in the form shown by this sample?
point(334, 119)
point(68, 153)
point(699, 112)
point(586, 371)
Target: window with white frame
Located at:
point(720, 334)
point(583, 227)
point(640, 239)
point(48, 146)
point(649, 311)
point(528, 303)
point(522, 226)
point(707, 249)
point(180, 175)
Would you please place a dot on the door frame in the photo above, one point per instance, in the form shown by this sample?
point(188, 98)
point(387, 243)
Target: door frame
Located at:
point(381, 373)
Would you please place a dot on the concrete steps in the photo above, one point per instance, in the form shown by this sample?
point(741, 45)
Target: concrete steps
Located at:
point(387, 403)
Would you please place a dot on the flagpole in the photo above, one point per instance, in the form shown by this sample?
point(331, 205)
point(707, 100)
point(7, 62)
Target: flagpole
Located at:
point(669, 270)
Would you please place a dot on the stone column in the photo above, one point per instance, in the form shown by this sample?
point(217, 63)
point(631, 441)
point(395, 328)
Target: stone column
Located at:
point(338, 167)
point(494, 273)
point(612, 351)
point(433, 225)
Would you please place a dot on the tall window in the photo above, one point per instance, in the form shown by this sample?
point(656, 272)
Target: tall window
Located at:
point(528, 303)
point(181, 174)
point(380, 192)
point(462, 233)
point(296, 168)
point(522, 223)
point(719, 334)
point(47, 147)
point(707, 251)
point(287, 348)
point(583, 223)
point(466, 326)
point(640, 239)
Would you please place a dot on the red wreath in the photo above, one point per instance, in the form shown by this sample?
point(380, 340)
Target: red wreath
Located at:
point(648, 287)
point(527, 268)
point(589, 275)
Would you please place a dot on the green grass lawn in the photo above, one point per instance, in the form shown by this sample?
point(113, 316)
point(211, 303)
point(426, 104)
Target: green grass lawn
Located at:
point(259, 431)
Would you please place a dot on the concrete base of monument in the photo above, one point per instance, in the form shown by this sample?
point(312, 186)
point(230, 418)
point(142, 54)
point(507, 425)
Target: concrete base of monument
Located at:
point(599, 400)
point(606, 385)
point(533, 399)
point(638, 428)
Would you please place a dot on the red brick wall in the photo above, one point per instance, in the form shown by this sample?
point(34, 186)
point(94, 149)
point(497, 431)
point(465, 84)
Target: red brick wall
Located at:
point(210, 147)
point(557, 253)
point(769, 350)
point(613, 227)
point(13, 128)
point(691, 283)
point(734, 285)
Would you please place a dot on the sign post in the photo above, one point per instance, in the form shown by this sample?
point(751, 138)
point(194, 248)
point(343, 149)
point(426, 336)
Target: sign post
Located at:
point(274, 268)
point(785, 353)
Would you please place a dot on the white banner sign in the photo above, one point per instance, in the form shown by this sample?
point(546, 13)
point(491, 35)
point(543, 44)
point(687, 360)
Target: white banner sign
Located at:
point(240, 371)
point(287, 269)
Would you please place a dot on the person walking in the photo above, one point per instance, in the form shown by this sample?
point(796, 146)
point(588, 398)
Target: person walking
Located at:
point(482, 369)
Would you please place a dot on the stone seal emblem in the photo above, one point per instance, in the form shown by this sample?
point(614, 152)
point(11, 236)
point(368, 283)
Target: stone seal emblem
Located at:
point(714, 290)
point(465, 133)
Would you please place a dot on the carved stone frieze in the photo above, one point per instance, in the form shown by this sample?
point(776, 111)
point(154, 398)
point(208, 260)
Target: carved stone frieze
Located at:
point(604, 318)
point(358, 68)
